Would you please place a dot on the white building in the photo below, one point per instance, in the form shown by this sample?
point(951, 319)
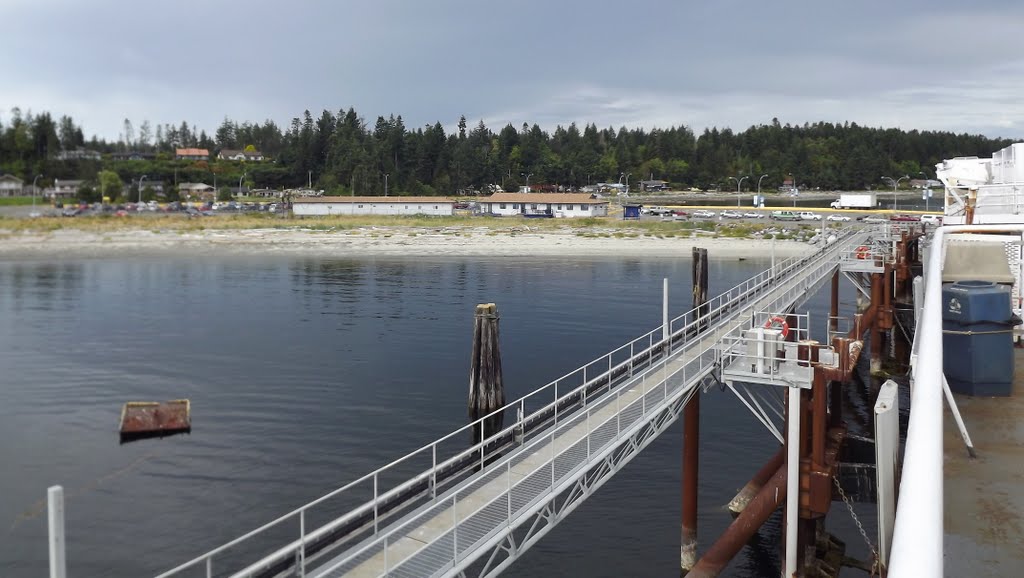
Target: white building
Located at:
point(544, 204)
point(10, 186)
point(311, 206)
point(65, 189)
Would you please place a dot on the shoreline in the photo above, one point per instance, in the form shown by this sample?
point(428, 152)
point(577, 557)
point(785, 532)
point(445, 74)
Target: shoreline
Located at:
point(381, 242)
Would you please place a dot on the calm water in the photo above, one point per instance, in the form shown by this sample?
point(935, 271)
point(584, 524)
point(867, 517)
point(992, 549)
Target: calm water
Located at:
point(307, 373)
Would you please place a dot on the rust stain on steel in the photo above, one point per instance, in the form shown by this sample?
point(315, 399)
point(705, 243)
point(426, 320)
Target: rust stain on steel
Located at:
point(144, 418)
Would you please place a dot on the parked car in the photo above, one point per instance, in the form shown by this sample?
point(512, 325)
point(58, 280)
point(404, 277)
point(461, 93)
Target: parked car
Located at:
point(874, 219)
point(732, 214)
point(753, 215)
point(838, 218)
point(679, 213)
point(809, 216)
point(656, 210)
point(785, 216)
point(933, 219)
point(905, 218)
point(704, 214)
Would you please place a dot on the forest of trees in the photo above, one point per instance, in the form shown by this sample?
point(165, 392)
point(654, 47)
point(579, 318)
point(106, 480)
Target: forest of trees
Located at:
point(343, 154)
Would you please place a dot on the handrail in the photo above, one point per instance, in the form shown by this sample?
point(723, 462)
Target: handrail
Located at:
point(721, 303)
point(917, 537)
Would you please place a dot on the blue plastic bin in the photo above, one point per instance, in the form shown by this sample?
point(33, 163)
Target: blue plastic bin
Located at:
point(977, 338)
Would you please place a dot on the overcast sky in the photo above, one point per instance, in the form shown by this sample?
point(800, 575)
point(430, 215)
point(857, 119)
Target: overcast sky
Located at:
point(933, 64)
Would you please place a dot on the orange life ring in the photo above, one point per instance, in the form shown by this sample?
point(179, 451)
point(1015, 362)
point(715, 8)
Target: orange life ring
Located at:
point(778, 322)
point(863, 252)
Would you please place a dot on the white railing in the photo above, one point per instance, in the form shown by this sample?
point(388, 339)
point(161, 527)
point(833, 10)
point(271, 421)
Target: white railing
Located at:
point(917, 538)
point(424, 473)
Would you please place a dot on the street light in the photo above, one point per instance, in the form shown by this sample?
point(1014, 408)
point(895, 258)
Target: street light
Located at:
point(142, 178)
point(386, 175)
point(527, 175)
point(738, 182)
point(759, 187)
point(627, 183)
point(34, 193)
point(895, 185)
point(927, 191)
point(240, 183)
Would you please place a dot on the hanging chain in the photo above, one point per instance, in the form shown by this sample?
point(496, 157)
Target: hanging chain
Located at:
point(860, 527)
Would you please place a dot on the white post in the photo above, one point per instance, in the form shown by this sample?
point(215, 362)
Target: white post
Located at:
point(792, 480)
point(887, 447)
point(664, 311)
point(773, 257)
point(55, 514)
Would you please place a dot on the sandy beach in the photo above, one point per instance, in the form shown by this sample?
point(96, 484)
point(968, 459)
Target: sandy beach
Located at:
point(382, 242)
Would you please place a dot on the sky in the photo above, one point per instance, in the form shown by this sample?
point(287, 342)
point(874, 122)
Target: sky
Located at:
point(928, 65)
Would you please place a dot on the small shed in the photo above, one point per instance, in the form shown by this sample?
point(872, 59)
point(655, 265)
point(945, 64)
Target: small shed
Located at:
point(631, 212)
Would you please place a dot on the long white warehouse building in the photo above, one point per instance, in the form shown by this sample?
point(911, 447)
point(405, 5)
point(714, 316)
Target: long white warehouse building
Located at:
point(318, 206)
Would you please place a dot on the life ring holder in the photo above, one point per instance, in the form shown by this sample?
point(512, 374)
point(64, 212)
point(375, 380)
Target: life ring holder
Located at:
point(863, 252)
point(779, 322)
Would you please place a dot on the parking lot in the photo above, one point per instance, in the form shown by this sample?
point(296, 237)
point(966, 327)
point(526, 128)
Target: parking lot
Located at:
point(780, 214)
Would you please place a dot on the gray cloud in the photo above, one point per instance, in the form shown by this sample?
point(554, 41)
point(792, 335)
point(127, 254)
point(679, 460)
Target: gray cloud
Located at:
point(928, 65)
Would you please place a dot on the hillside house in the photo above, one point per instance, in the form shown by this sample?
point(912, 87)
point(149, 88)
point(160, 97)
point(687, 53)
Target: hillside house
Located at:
point(233, 155)
point(191, 154)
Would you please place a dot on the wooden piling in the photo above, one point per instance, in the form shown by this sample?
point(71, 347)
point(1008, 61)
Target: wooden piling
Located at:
point(486, 386)
point(691, 431)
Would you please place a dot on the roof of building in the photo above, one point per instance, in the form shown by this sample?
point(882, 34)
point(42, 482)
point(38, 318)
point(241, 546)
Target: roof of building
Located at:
point(67, 183)
point(371, 200)
point(191, 152)
point(547, 198)
point(235, 153)
point(10, 178)
point(194, 186)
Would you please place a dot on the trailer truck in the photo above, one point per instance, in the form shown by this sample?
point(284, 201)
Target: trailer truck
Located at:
point(855, 201)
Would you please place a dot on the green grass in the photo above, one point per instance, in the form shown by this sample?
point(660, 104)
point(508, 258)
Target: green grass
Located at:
point(21, 202)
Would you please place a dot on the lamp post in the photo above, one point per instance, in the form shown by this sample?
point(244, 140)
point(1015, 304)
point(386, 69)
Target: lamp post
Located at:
point(143, 177)
point(739, 181)
point(34, 193)
point(759, 187)
point(895, 185)
point(527, 175)
point(927, 191)
point(386, 175)
point(240, 183)
point(627, 183)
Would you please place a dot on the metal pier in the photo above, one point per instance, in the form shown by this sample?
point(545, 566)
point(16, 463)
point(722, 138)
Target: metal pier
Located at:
point(474, 511)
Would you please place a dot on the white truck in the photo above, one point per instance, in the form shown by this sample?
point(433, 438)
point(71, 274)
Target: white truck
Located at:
point(855, 201)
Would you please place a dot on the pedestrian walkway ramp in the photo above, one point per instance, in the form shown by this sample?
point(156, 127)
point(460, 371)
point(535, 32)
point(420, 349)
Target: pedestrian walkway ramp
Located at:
point(475, 511)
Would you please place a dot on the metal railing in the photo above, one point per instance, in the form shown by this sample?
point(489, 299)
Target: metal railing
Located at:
point(917, 544)
point(414, 480)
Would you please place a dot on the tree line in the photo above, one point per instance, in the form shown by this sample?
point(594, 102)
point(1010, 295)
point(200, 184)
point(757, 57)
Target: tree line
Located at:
point(343, 154)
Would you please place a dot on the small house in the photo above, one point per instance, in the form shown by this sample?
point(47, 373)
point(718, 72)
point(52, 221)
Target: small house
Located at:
point(10, 186)
point(64, 189)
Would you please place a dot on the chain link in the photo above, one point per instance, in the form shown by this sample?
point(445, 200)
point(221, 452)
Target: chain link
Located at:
point(860, 527)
